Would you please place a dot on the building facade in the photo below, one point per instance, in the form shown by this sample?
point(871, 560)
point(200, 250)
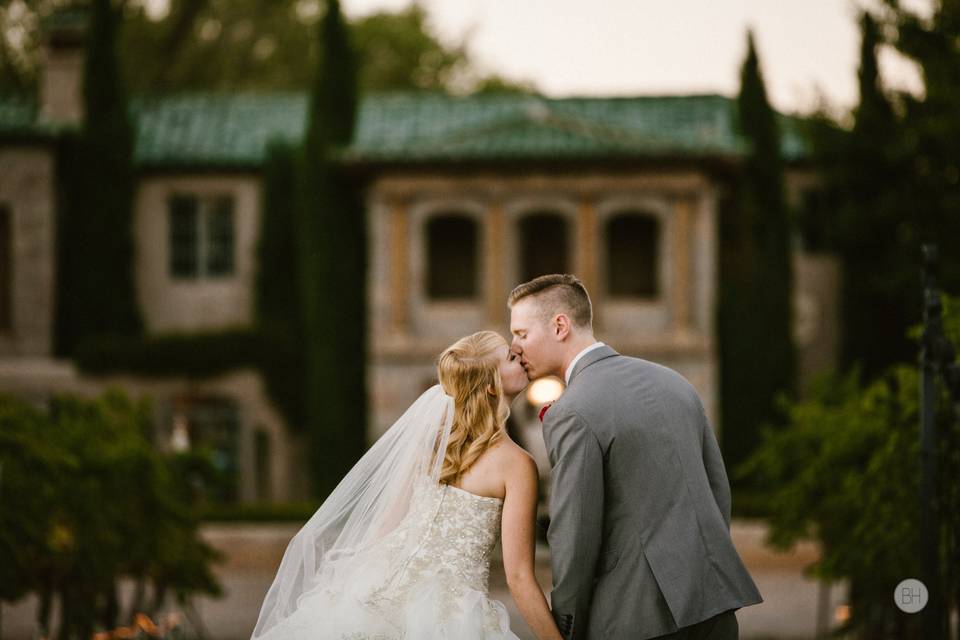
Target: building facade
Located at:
point(465, 198)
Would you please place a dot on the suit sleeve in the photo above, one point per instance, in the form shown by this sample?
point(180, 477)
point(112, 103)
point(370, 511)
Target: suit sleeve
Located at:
point(576, 517)
point(713, 463)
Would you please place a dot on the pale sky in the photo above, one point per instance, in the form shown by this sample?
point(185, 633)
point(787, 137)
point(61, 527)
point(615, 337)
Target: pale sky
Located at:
point(643, 47)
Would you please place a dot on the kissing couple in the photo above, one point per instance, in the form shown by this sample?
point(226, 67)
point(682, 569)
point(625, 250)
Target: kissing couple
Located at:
point(639, 530)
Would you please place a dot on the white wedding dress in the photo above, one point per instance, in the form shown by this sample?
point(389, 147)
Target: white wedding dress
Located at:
point(426, 579)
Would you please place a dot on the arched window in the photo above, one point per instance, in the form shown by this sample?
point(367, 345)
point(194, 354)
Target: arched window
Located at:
point(451, 257)
point(632, 246)
point(543, 245)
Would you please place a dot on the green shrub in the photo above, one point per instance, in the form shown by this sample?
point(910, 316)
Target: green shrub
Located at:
point(87, 500)
point(845, 472)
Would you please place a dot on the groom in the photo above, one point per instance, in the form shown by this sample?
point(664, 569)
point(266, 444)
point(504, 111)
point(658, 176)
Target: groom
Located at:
point(640, 505)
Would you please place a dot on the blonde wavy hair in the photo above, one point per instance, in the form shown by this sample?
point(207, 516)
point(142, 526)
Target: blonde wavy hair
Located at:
point(469, 371)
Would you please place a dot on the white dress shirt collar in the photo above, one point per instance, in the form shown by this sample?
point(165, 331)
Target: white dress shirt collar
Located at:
point(573, 363)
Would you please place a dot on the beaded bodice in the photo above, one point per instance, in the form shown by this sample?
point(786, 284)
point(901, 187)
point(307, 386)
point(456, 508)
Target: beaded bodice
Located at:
point(459, 536)
point(445, 540)
point(434, 566)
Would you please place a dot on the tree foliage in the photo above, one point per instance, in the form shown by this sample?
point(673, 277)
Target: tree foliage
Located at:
point(96, 290)
point(333, 248)
point(754, 308)
point(866, 217)
point(890, 184)
point(252, 45)
point(280, 313)
point(845, 472)
point(88, 500)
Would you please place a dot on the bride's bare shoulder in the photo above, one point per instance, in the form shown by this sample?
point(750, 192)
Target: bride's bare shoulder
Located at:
point(513, 458)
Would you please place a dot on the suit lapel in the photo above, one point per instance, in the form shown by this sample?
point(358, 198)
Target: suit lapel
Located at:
point(598, 354)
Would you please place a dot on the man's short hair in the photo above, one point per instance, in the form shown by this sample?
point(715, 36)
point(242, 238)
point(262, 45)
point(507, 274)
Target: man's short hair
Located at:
point(557, 293)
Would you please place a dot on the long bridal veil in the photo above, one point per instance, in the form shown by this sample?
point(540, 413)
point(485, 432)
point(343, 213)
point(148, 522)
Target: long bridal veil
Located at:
point(367, 505)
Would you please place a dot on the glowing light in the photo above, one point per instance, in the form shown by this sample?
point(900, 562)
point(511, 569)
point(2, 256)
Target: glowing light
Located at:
point(842, 613)
point(544, 390)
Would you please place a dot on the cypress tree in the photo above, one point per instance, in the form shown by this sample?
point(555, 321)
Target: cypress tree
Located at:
point(869, 182)
point(108, 139)
point(278, 288)
point(755, 306)
point(871, 221)
point(333, 263)
point(96, 290)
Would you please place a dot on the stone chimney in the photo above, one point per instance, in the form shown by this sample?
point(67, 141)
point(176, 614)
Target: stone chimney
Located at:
point(63, 50)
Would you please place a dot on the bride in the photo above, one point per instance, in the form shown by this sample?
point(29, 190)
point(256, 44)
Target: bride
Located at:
point(401, 548)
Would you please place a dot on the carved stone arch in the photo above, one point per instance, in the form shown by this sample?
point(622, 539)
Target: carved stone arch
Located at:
point(632, 253)
point(543, 237)
point(545, 244)
point(452, 238)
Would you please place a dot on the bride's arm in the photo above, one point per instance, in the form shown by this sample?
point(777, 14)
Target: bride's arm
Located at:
point(518, 538)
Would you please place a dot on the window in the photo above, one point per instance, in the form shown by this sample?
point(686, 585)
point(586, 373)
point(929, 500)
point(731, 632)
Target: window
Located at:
point(543, 245)
point(220, 237)
point(451, 257)
point(201, 236)
point(209, 425)
point(183, 236)
point(632, 255)
point(6, 269)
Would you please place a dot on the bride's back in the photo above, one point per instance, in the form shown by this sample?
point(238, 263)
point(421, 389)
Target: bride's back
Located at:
point(488, 475)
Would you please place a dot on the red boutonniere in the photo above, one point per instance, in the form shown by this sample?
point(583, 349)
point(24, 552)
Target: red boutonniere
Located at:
point(543, 410)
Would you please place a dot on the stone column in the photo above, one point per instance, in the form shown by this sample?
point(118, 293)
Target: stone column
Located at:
point(399, 266)
point(495, 262)
point(586, 253)
point(682, 242)
point(61, 71)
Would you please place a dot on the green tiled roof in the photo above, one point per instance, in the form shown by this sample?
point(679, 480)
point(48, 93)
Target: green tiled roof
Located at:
point(232, 130)
point(489, 127)
point(69, 17)
point(220, 130)
point(18, 119)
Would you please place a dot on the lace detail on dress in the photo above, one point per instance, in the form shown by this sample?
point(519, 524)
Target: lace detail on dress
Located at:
point(428, 578)
point(455, 549)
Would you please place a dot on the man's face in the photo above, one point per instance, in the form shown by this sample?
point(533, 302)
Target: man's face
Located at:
point(532, 339)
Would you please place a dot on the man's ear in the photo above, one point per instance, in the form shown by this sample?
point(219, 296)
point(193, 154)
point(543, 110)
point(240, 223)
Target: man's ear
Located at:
point(561, 326)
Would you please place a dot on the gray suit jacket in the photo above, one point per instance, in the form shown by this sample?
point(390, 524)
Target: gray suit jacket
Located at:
point(640, 504)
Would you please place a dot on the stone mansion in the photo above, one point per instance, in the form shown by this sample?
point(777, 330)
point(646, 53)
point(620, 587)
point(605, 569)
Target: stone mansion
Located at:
point(465, 198)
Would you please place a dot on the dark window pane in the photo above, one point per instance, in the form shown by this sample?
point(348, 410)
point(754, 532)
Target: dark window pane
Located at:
point(632, 255)
point(543, 245)
point(6, 269)
point(183, 236)
point(220, 237)
point(214, 429)
point(452, 257)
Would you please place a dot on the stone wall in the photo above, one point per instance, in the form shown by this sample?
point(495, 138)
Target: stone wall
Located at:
point(204, 303)
point(408, 329)
point(27, 192)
